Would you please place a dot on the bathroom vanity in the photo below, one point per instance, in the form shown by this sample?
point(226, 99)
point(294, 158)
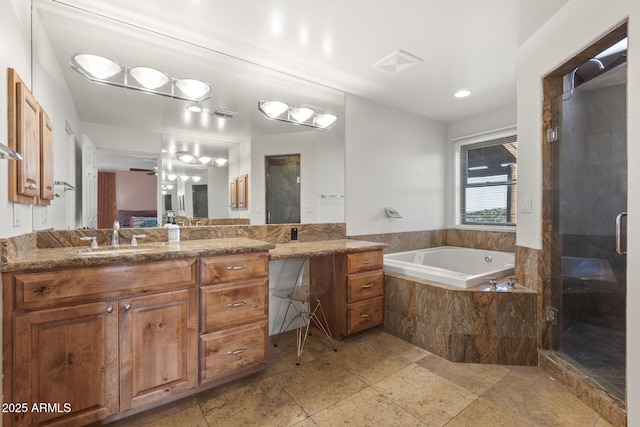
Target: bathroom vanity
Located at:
point(125, 331)
point(104, 333)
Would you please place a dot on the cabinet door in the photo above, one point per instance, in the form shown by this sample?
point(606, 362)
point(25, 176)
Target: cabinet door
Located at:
point(66, 356)
point(28, 139)
point(46, 159)
point(158, 346)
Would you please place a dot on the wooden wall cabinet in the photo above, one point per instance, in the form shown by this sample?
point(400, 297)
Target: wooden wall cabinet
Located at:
point(233, 194)
point(356, 301)
point(30, 134)
point(239, 192)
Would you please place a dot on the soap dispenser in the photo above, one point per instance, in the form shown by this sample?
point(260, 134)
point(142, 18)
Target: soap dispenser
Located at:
point(173, 231)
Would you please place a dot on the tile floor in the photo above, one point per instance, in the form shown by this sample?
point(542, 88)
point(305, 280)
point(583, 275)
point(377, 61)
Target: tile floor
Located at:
point(376, 379)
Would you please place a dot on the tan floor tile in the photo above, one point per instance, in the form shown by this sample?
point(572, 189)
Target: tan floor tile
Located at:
point(308, 422)
point(483, 412)
point(397, 345)
point(284, 356)
point(369, 362)
point(429, 397)
point(318, 384)
point(474, 377)
point(529, 393)
point(365, 408)
point(189, 417)
point(262, 402)
point(602, 423)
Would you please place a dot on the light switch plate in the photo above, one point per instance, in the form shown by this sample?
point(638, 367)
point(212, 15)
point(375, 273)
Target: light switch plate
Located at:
point(17, 219)
point(525, 205)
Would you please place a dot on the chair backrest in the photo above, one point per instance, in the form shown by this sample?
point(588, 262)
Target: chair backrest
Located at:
point(310, 283)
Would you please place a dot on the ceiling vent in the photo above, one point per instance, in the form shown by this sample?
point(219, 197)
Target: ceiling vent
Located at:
point(224, 114)
point(398, 61)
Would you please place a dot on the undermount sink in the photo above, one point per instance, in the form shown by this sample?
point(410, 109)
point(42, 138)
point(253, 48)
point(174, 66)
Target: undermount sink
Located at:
point(111, 251)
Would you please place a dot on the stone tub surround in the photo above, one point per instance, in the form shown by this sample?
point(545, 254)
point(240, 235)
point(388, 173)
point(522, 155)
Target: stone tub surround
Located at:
point(463, 325)
point(407, 241)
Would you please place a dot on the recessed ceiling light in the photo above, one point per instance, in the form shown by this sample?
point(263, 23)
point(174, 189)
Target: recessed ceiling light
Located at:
point(194, 108)
point(462, 93)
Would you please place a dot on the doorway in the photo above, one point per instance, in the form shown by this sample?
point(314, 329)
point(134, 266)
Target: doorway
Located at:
point(282, 187)
point(200, 201)
point(589, 196)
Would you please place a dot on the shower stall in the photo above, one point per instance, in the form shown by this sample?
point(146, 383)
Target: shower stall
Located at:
point(589, 198)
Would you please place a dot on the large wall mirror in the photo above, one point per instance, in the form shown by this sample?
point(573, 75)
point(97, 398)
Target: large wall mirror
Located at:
point(195, 150)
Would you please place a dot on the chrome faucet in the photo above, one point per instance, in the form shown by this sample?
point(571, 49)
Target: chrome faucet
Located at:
point(115, 237)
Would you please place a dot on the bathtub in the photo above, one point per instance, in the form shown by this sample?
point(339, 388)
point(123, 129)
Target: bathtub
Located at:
point(460, 267)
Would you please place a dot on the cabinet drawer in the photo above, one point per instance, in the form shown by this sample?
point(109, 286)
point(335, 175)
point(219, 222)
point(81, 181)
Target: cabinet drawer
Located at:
point(365, 285)
point(229, 268)
point(234, 304)
point(364, 314)
point(50, 288)
point(364, 261)
point(230, 351)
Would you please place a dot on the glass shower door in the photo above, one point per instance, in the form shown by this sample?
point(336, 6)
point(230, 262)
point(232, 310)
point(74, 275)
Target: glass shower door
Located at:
point(589, 199)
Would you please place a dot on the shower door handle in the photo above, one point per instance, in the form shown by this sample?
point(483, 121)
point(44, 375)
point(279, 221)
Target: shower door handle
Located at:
point(618, 233)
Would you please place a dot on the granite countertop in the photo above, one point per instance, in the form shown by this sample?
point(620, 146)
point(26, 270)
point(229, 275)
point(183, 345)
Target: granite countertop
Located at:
point(84, 256)
point(323, 247)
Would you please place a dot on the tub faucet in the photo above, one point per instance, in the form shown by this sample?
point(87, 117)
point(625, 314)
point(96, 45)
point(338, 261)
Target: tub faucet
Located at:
point(493, 283)
point(115, 237)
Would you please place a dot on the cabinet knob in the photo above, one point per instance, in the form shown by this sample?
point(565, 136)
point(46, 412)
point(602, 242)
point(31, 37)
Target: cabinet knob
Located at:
point(110, 309)
point(31, 186)
point(127, 307)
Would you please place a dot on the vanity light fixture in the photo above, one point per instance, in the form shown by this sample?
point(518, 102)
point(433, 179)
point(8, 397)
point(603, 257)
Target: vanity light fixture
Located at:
point(196, 178)
point(185, 157)
point(302, 115)
point(220, 162)
point(184, 178)
point(171, 177)
point(149, 77)
point(102, 70)
point(204, 160)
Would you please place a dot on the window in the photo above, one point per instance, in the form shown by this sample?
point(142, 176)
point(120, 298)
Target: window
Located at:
point(489, 173)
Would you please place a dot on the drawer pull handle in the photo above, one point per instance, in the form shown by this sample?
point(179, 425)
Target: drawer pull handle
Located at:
point(366, 316)
point(236, 267)
point(367, 261)
point(127, 307)
point(31, 186)
point(367, 286)
point(110, 309)
point(236, 304)
point(236, 352)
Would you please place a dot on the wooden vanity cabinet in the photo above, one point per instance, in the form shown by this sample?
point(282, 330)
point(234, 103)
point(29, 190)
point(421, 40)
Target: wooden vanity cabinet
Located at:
point(356, 301)
point(234, 310)
point(65, 355)
point(101, 339)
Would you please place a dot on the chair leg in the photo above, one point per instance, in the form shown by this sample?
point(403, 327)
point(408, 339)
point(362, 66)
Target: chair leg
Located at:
point(323, 327)
point(284, 319)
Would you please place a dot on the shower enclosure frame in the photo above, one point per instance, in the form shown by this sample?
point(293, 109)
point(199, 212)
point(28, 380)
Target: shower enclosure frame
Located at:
point(599, 398)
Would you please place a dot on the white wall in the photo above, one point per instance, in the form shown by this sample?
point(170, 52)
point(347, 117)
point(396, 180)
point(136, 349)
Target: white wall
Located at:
point(490, 121)
point(218, 191)
point(573, 28)
point(397, 159)
point(313, 146)
point(122, 139)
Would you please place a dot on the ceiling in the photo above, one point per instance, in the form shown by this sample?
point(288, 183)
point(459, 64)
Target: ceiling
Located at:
point(463, 43)
point(290, 50)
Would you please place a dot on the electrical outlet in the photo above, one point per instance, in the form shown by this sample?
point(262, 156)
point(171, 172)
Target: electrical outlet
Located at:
point(294, 233)
point(17, 219)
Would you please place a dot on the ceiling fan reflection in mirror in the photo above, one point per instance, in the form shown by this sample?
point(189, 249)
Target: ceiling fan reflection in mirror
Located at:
point(153, 171)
